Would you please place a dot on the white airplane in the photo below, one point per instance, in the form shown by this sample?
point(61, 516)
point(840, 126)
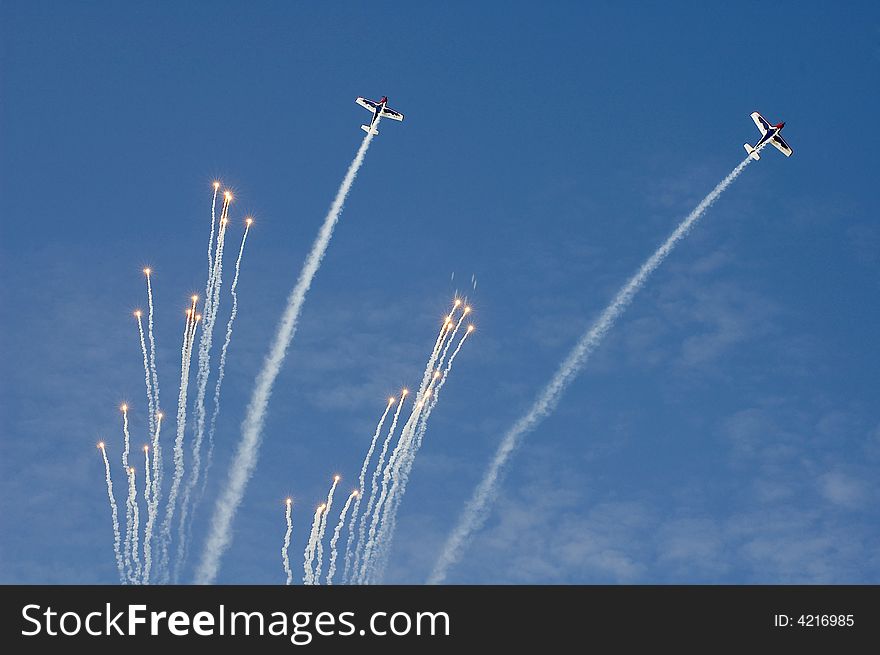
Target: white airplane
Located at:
point(769, 133)
point(379, 109)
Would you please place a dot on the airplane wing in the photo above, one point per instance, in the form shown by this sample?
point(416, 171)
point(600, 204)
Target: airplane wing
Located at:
point(761, 122)
point(781, 145)
point(369, 105)
point(390, 113)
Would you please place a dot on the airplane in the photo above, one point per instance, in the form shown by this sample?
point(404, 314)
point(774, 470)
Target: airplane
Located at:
point(379, 109)
point(769, 133)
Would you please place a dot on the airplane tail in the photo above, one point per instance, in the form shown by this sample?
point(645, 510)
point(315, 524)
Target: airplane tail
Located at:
point(368, 130)
point(752, 152)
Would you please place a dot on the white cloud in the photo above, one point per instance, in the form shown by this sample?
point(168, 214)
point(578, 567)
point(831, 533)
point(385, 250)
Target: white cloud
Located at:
point(842, 489)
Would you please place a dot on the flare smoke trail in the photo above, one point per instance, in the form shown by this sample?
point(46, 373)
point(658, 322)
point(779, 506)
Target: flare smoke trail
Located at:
point(135, 528)
point(221, 231)
point(331, 571)
point(114, 513)
point(316, 575)
point(125, 435)
point(188, 336)
point(129, 511)
point(245, 458)
point(285, 558)
point(401, 473)
point(222, 366)
point(309, 555)
point(374, 484)
point(213, 222)
point(153, 501)
point(154, 373)
point(150, 396)
point(361, 480)
point(147, 496)
point(390, 468)
point(212, 299)
point(147, 488)
point(475, 513)
point(212, 259)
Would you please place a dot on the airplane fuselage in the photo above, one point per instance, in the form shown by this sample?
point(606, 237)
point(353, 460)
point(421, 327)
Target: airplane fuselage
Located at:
point(379, 107)
point(773, 131)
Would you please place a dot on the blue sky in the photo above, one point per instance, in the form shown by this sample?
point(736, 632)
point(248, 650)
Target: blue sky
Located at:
point(726, 431)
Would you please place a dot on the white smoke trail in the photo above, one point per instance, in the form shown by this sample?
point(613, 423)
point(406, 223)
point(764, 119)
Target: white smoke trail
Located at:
point(374, 485)
point(401, 472)
point(212, 298)
point(316, 575)
point(213, 222)
point(157, 463)
point(148, 491)
point(147, 378)
point(361, 481)
point(285, 558)
point(309, 554)
point(114, 513)
point(129, 510)
point(125, 435)
point(154, 373)
point(222, 367)
point(475, 513)
point(153, 502)
point(135, 528)
point(217, 278)
point(331, 571)
point(154, 422)
point(213, 263)
point(245, 458)
point(165, 534)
